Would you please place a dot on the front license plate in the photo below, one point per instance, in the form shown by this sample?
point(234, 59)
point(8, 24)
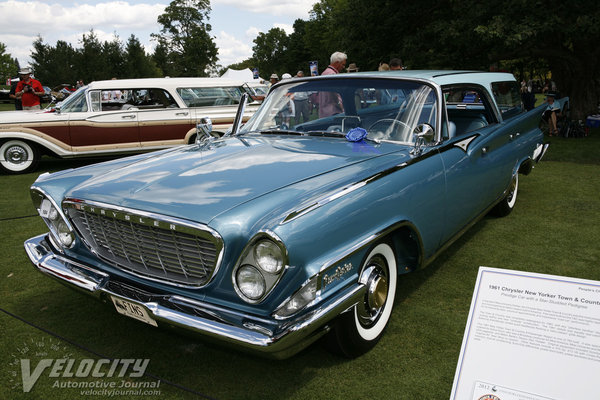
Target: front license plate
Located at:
point(132, 310)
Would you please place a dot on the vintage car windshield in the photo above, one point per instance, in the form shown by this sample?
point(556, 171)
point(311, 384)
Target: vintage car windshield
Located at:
point(75, 102)
point(388, 109)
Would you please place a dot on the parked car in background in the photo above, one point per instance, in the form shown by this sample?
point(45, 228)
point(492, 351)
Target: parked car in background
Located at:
point(62, 91)
point(116, 117)
point(258, 89)
point(280, 233)
point(47, 97)
point(4, 96)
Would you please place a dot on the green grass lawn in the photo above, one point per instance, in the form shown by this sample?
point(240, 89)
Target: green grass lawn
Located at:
point(554, 229)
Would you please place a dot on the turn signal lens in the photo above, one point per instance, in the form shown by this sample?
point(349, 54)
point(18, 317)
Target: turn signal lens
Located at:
point(299, 300)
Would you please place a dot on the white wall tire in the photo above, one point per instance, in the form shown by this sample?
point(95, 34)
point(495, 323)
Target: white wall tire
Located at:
point(18, 157)
point(359, 330)
point(507, 204)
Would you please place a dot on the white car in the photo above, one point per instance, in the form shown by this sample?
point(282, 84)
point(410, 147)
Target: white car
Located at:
point(119, 116)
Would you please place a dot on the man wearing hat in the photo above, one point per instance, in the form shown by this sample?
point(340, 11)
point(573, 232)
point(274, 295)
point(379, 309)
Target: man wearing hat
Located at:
point(29, 90)
point(352, 68)
point(273, 79)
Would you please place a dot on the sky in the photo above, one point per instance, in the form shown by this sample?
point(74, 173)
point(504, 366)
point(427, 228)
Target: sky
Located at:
point(235, 23)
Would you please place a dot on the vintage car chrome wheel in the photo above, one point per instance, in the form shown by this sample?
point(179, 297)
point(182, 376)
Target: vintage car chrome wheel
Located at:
point(507, 204)
point(358, 330)
point(17, 156)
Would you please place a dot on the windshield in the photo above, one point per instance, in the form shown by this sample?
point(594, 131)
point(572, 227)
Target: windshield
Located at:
point(388, 109)
point(75, 102)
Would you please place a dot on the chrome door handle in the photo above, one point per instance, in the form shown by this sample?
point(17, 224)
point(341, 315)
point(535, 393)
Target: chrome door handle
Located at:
point(485, 150)
point(127, 116)
point(181, 113)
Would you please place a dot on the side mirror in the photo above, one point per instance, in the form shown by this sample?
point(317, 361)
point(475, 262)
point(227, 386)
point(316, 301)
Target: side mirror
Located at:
point(203, 130)
point(424, 134)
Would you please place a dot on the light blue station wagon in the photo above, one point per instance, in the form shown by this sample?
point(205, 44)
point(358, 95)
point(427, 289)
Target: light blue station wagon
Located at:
point(293, 226)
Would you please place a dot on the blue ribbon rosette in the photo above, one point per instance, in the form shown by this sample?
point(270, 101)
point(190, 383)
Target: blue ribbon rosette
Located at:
point(356, 134)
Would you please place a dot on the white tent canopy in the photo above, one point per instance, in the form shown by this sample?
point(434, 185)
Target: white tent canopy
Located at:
point(245, 75)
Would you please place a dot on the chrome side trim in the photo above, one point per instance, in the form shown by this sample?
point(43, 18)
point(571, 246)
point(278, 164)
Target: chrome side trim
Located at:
point(250, 334)
point(351, 188)
point(319, 203)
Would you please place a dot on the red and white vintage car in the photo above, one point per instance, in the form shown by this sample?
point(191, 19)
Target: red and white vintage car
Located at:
point(119, 116)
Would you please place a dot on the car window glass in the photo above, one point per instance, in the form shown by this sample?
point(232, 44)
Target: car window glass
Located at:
point(141, 99)
point(75, 102)
point(388, 109)
point(95, 100)
point(468, 109)
point(210, 96)
point(508, 98)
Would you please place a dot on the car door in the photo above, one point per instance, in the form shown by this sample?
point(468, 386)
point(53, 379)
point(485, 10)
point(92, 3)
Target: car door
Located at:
point(477, 159)
point(161, 120)
point(106, 125)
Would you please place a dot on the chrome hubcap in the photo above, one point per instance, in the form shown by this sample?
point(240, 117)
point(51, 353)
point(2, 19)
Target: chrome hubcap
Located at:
point(377, 292)
point(16, 155)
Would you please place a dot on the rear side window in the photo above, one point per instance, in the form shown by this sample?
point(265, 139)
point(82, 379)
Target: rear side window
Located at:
point(508, 98)
point(210, 96)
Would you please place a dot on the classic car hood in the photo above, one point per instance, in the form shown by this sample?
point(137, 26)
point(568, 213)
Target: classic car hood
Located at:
point(205, 180)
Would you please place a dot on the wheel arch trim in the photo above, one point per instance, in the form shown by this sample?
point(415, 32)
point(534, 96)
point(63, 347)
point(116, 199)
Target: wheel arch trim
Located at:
point(39, 138)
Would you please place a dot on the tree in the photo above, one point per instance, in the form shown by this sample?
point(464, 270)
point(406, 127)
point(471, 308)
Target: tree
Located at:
point(113, 58)
point(161, 57)
point(269, 50)
point(91, 66)
point(558, 37)
point(40, 59)
point(566, 38)
point(190, 50)
point(298, 54)
point(53, 65)
point(137, 63)
point(8, 65)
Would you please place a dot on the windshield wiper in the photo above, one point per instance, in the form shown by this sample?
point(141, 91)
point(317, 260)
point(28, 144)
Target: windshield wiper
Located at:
point(325, 133)
point(274, 132)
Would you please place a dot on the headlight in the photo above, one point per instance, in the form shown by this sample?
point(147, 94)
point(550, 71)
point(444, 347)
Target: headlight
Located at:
point(268, 256)
point(299, 300)
point(260, 267)
point(250, 282)
point(60, 230)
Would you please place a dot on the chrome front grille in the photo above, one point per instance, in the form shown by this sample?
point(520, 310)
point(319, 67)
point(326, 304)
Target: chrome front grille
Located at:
point(153, 246)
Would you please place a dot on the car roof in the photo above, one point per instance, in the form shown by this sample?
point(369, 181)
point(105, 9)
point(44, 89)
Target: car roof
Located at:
point(164, 83)
point(441, 77)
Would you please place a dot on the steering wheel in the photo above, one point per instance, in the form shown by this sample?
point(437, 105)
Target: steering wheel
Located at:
point(390, 129)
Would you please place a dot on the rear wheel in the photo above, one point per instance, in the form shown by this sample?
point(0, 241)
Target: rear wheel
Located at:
point(18, 157)
point(358, 330)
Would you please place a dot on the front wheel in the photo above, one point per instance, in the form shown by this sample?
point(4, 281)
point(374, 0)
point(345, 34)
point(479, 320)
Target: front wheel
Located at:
point(507, 204)
point(359, 330)
point(18, 157)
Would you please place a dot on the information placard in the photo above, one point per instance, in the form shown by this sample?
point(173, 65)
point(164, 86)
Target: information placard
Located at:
point(530, 337)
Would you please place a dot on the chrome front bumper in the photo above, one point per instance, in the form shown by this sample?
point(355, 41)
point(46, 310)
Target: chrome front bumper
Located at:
point(213, 322)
